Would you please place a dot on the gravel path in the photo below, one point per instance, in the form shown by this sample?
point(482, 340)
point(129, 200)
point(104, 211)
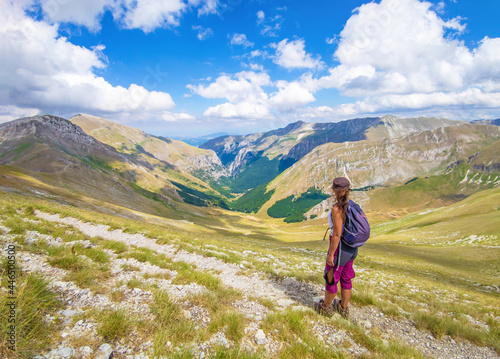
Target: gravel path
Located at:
point(230, 274)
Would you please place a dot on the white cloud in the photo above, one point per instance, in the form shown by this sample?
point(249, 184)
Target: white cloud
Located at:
point(146, 15)
point(34, 78)
point(241, 39)
point(209, 6)
point(404, 41)
point(244, 110)
point(291, 55)
point(10, 112)
point(203, 33)
point(260, 16)
point(467, 105)
point(270, 26)
point(245, 87)
point(176, 117)
point(290, 96)
point(85, 13)
point(398, 54)
point(244, 91)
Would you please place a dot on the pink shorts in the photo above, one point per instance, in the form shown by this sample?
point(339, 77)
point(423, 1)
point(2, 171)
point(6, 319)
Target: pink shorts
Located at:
point(344, 274)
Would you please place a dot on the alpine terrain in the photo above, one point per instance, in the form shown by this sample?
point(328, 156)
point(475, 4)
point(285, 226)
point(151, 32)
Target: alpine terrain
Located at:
point(121, 244)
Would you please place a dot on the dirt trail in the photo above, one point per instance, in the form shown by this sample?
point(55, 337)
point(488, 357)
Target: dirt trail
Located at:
point(230, 274)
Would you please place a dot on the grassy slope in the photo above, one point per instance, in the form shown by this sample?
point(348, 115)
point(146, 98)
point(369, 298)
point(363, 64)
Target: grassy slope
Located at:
point(421, 258)
point(168, 160)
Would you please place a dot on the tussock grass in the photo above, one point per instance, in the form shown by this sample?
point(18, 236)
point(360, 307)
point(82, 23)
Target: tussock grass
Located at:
point(33, 302)
point(397, 350)
point(440, 326)
point(135, 283)
point(226, 257)
point(148, 255)
point(170, 325)
point(291, 328)
point(186, 274)
point(235, 353)
point(116, 246)
point(146, 276)
point(234, 323)
point(84, 274)
point(114, 324)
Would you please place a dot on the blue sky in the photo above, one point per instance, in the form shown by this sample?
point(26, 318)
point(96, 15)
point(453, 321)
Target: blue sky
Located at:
point(194, 67)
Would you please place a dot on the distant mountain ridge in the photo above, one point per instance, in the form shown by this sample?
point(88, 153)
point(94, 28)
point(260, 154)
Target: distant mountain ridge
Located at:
point(288, 169)
point(277, 150)
point(391, 162)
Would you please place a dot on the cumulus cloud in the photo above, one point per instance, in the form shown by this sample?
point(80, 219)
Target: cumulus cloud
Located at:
point(290, 96)
point(33, 78)
point(404, 43)
point(245, 86)
point(398, 54)
point(146, 15)
point(85, 13)
point(244, 110)
point(203, 33)
point(241, 39)
point(292, 55)
point(247, 98)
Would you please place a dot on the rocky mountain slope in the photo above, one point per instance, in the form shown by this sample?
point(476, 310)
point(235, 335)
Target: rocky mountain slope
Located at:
point(281, 148)
point(390, 162)
point(133, 141)
point(59, 153)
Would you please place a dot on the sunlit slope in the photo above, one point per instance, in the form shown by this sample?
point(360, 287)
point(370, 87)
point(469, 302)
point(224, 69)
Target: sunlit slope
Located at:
point(174, 163)
point(135, 142)
point(460, 242)
point(56, 152)
point(461, 179)
point(474, 221)
point(386, 163)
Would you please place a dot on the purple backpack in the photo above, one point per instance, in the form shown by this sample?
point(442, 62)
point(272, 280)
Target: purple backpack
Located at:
point(356, 229)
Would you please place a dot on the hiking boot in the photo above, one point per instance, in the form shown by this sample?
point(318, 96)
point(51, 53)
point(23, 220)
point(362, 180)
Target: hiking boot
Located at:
point(343, 312)
point(318, 307)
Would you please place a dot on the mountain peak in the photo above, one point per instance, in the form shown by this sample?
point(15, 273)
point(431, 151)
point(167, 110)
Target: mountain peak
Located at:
point(389, 118)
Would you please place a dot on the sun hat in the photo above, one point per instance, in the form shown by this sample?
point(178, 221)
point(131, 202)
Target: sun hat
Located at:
point(340, 182)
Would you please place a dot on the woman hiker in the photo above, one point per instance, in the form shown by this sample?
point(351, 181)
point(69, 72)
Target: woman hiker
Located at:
point(338, 269)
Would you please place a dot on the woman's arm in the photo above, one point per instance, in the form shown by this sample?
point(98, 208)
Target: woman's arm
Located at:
point(337, 231)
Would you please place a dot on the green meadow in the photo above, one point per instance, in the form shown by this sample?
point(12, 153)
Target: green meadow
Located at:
point(438, 267)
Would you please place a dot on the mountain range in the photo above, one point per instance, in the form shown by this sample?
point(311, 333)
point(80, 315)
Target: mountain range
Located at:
point(405, 164)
